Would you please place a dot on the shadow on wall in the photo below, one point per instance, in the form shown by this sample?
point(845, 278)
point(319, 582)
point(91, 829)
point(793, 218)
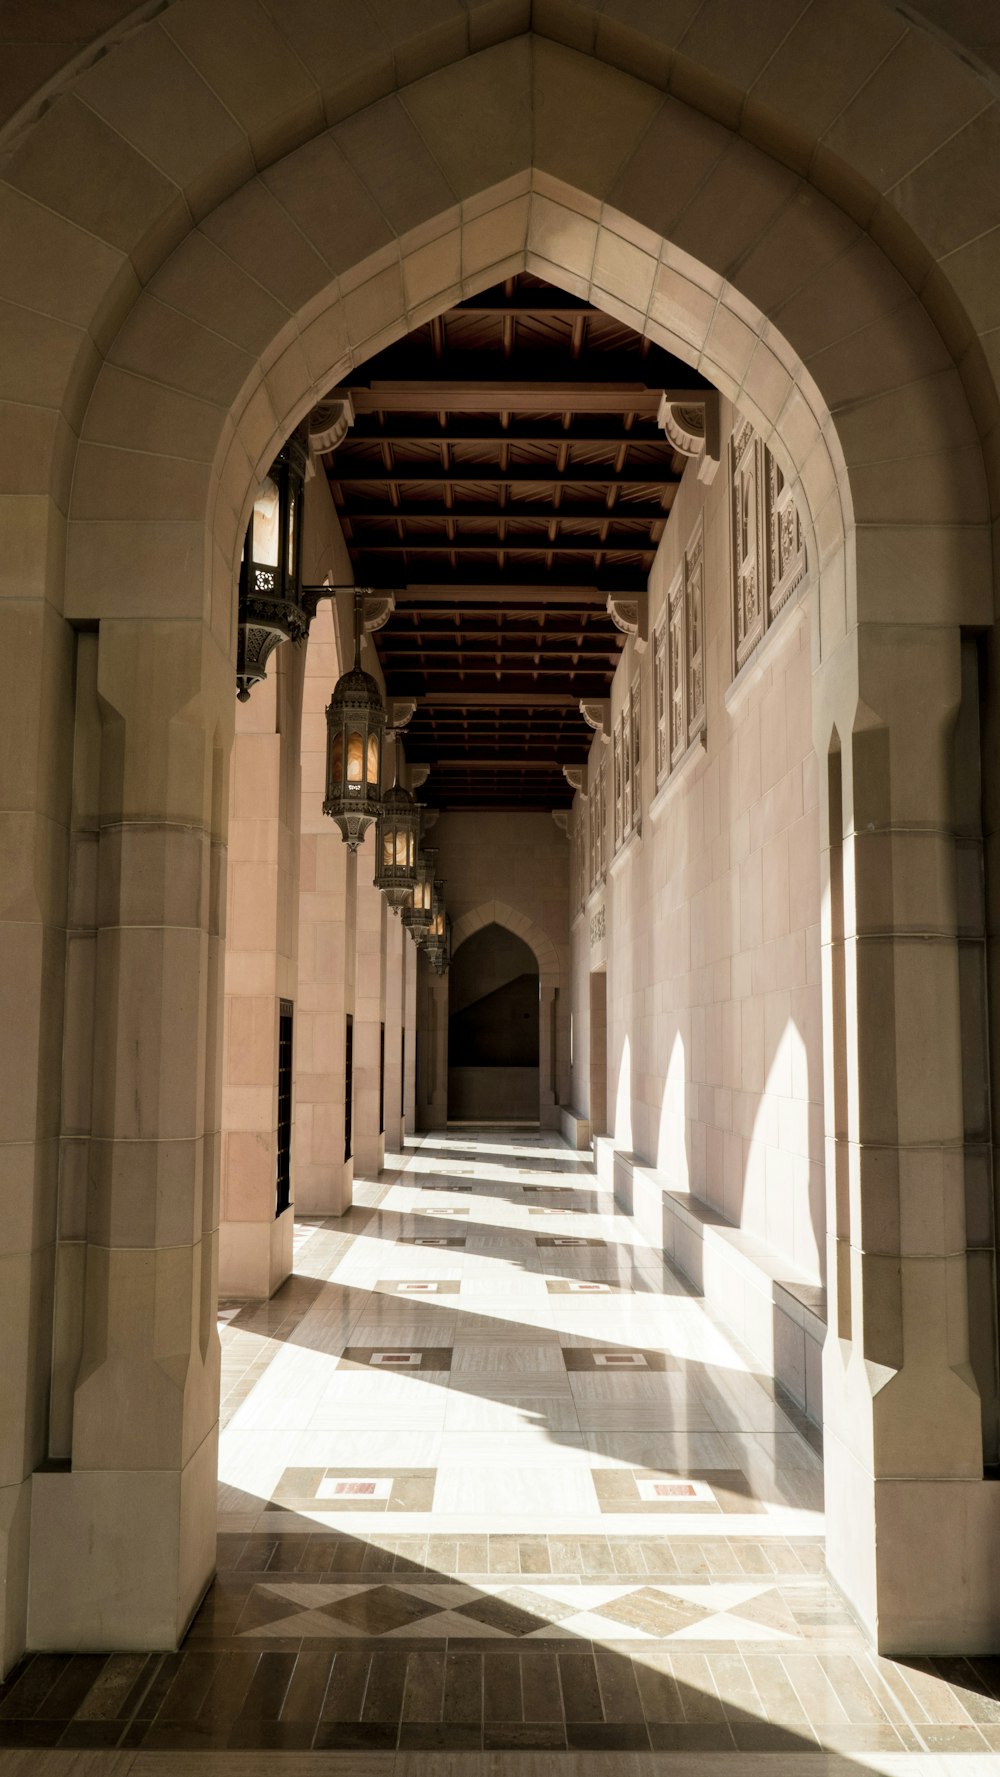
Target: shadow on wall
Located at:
point(493, 1034)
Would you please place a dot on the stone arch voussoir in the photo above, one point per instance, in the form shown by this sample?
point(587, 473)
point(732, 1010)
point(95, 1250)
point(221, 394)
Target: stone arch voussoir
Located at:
point(498, 913)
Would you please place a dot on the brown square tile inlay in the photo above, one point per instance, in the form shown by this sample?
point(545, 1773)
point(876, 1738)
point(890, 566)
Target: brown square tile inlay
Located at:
point(579, 1286)
point(388, 1357)
point(567, 1240)
point(578, 1357)
point(353, 1490)
point(431, 1240)
point(687, 1490)
point(419, 1286)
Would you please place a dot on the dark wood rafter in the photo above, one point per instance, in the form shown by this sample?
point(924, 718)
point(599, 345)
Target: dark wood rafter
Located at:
point(503, 473)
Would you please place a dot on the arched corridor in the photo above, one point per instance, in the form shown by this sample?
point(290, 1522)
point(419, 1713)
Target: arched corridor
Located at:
point(498, 504)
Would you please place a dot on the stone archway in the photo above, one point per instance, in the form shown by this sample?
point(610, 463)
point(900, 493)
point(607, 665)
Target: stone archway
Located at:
point(173, 360)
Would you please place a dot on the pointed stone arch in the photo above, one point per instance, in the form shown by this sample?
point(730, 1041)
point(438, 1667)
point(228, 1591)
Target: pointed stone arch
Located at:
point(538, 941)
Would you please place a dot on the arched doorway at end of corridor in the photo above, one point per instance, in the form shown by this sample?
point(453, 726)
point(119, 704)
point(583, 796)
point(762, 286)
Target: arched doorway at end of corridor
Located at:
point(493, 1035)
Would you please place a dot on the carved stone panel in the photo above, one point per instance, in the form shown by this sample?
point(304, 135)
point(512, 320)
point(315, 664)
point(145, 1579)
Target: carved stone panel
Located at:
point(787, 547)
point(694, 600)
point(748, 543)
point(675, 654)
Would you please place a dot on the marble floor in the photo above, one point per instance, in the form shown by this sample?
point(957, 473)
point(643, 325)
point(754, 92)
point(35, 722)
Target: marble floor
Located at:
point(452, 1541)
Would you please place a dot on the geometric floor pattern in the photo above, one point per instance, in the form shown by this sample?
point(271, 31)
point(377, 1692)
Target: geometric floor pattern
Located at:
point(498, 1497)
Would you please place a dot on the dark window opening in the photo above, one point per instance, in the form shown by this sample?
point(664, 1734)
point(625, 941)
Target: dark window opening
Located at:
point(284, 1144)
point(381, 1079)
point(348, 1085)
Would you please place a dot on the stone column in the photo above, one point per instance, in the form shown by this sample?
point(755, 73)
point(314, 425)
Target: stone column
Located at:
point(327, 896)
point(123, 1534)
point(432, 1025)
point(255, 1245)
point(409, 1036)
point(395, 962)
point(369, 1016)
point(36, 773)
point(909, 1534)
point(548, 1115)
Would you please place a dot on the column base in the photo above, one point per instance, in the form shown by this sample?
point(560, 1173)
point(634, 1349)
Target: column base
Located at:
point(15, 1527)
point(918, 1561)
point(255, 1257)
point(369, 1156)
point(120, 1559)
point(324, 1190)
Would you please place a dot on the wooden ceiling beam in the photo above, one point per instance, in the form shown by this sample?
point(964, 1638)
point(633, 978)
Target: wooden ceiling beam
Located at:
point(497, 700)
point(580, 598)
point(510, 546)
point(544, 475)
point(418, 430)
point(609, 395)
point(639, 512)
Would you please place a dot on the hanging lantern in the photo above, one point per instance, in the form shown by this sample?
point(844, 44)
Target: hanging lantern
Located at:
point(418, 906)
point(397, 841)
point(434, 943)
point(439, 950)
point(270, 605)
point(355, 726)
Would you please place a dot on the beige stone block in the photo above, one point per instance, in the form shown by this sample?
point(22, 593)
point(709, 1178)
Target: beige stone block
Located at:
point(923, 418)
point(860, 287)
point(374, 307)
point(322, 194)
point(432, 271)
point(147, 1083)
point(678, 137)
point(733, 207)
point(62, 270)
point(254, 73)
point(131, 412)
point(347, 53)
point(902, 347)
point(203, 282)
point(160, 343)
point(15, 1521)
point(947, 488)
point(568, 87)
point(126, 484)
point(73, 163)
point(824, 59)
point(804, 242)
point(623, 270)
point(141, 1548)
point(388, 154)
point(683, 307)
point(887, 130)
point(562, 236)
point(187, 133)
point(494, 236)
point(495, 88)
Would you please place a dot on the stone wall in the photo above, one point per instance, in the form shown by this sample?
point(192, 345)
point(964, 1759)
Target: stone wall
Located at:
point(708, 922)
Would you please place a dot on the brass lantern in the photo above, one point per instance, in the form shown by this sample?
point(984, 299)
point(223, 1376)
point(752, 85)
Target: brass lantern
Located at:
point(355, 727)
point(418, 906)
point(397, 841)
point(270, 607)
point(438, 949)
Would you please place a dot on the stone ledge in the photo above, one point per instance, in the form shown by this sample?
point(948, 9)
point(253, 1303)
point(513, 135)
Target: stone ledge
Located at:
point(574, 1128)
point(771, 1306)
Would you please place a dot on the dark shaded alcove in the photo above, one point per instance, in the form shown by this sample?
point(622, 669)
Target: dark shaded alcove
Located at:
point(493, 1029)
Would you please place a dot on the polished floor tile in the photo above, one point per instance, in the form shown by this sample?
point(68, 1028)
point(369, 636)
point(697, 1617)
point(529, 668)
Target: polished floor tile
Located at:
point(498, 1498)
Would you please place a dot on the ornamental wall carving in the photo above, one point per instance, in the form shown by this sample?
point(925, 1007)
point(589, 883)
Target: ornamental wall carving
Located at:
point(769, 554)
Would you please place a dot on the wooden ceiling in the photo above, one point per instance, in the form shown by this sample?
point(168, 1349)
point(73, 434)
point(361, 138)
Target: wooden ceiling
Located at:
point(504, 472)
